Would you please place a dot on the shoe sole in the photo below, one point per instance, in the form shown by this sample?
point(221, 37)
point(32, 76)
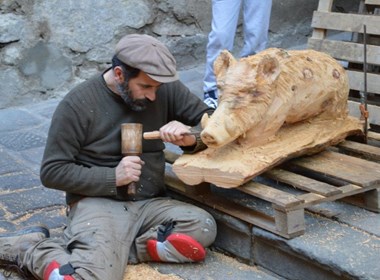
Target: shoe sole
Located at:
point(187, 246)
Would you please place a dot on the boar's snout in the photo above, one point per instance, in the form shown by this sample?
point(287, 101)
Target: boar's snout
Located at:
point(208, 139)
point(213, 140)
point(219, 131)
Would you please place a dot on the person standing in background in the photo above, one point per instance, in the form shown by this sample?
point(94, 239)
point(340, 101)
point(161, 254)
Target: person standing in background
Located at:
point(225, 16)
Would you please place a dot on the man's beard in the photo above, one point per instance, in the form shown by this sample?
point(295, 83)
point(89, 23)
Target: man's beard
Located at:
point(137, 105)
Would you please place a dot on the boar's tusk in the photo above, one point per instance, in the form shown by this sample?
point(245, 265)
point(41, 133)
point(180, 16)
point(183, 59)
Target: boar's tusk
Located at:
point(204, 120)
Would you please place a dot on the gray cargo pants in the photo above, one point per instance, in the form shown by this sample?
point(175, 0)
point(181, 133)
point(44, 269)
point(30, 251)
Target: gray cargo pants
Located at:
point(103, 234)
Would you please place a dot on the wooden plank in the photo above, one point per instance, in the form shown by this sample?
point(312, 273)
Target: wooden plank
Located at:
point(373, 135)
point(279, 198)
point(346, 22)
point(369, 200)
point(325, 6)
point(365, 151)
point(354, 170)
point(348, 190)
point(347, 51)
point(374, 112)
point(290, 222)
point(356, 80)
point(372, 200)
point(372, 2)
point(302, 182)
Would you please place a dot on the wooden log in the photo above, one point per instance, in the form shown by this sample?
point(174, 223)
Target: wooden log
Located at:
point(233, 164)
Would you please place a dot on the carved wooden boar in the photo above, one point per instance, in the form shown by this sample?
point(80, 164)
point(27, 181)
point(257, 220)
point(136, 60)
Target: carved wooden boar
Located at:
point(261, 93)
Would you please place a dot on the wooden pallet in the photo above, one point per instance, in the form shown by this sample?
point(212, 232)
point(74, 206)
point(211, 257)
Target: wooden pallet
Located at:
point(352, 52)
point(350, 171)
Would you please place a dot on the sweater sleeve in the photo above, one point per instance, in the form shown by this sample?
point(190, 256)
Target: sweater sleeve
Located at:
point(60, 169)
point(187, 108)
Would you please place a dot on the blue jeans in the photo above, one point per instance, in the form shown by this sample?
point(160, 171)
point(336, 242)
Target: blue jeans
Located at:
point(225, 16)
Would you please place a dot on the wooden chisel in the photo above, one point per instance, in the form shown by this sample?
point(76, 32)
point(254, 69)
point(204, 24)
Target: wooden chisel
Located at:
point(153, 135)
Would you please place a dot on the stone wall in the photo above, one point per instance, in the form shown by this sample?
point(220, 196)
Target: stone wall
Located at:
point(47, 46)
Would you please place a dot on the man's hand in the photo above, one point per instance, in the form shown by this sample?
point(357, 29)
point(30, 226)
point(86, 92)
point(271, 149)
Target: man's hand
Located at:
point(173, 132)
point(128, 170)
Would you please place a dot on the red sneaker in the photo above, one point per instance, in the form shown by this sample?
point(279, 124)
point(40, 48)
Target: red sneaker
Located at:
point(52, 272)
point(176, 248)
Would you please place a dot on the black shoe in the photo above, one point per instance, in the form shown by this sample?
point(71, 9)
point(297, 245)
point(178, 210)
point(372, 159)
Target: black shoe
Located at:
point(13, 245)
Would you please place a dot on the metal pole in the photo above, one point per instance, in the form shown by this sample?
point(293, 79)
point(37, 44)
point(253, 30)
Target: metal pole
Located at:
point(364, 94)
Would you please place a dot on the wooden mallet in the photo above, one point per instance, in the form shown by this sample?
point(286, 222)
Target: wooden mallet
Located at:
point(131, 145)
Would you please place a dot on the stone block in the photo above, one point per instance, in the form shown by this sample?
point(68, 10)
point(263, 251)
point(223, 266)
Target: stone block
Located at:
point(13, 118)
point(23, 202)
point(8, 164)
point(20, 141)
point(18, 181)
point(53, 218)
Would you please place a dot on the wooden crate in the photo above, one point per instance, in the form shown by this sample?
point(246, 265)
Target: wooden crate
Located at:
point(349, 171)
point(351, 52)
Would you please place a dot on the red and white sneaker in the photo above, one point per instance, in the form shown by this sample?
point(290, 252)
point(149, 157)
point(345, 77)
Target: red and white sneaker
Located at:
point(52, 272)
point(177, 248)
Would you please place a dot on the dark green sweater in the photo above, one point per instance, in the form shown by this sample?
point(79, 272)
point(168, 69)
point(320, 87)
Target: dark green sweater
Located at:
point(84, 142)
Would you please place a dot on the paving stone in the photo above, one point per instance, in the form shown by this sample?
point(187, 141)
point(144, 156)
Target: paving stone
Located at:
point(214, 267)
point(17, 181)
point(53, 218)
point(2, 213)
point(19, 141)
point(20, 203)
point(13, 118)
point(45, 109)
point(8, 164)
point(327, 245)
point(6, 226)
point(33, 158)
point(351, 215)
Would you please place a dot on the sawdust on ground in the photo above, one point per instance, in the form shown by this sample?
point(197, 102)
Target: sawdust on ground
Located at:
point(146, 272)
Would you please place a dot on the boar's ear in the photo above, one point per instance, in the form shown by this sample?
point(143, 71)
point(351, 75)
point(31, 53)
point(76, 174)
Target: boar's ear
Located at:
point(268, 68)
point(222, 63)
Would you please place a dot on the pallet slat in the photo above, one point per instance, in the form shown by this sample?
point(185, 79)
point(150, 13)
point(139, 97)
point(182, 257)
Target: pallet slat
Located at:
point(356, 80)
point(366, 151)
point(372, 2)
point(347, 191)
point(302, 182)
point(373, 135)
point(280, 198)
point(348, 51)
point(346, 22)
point(354, 170)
